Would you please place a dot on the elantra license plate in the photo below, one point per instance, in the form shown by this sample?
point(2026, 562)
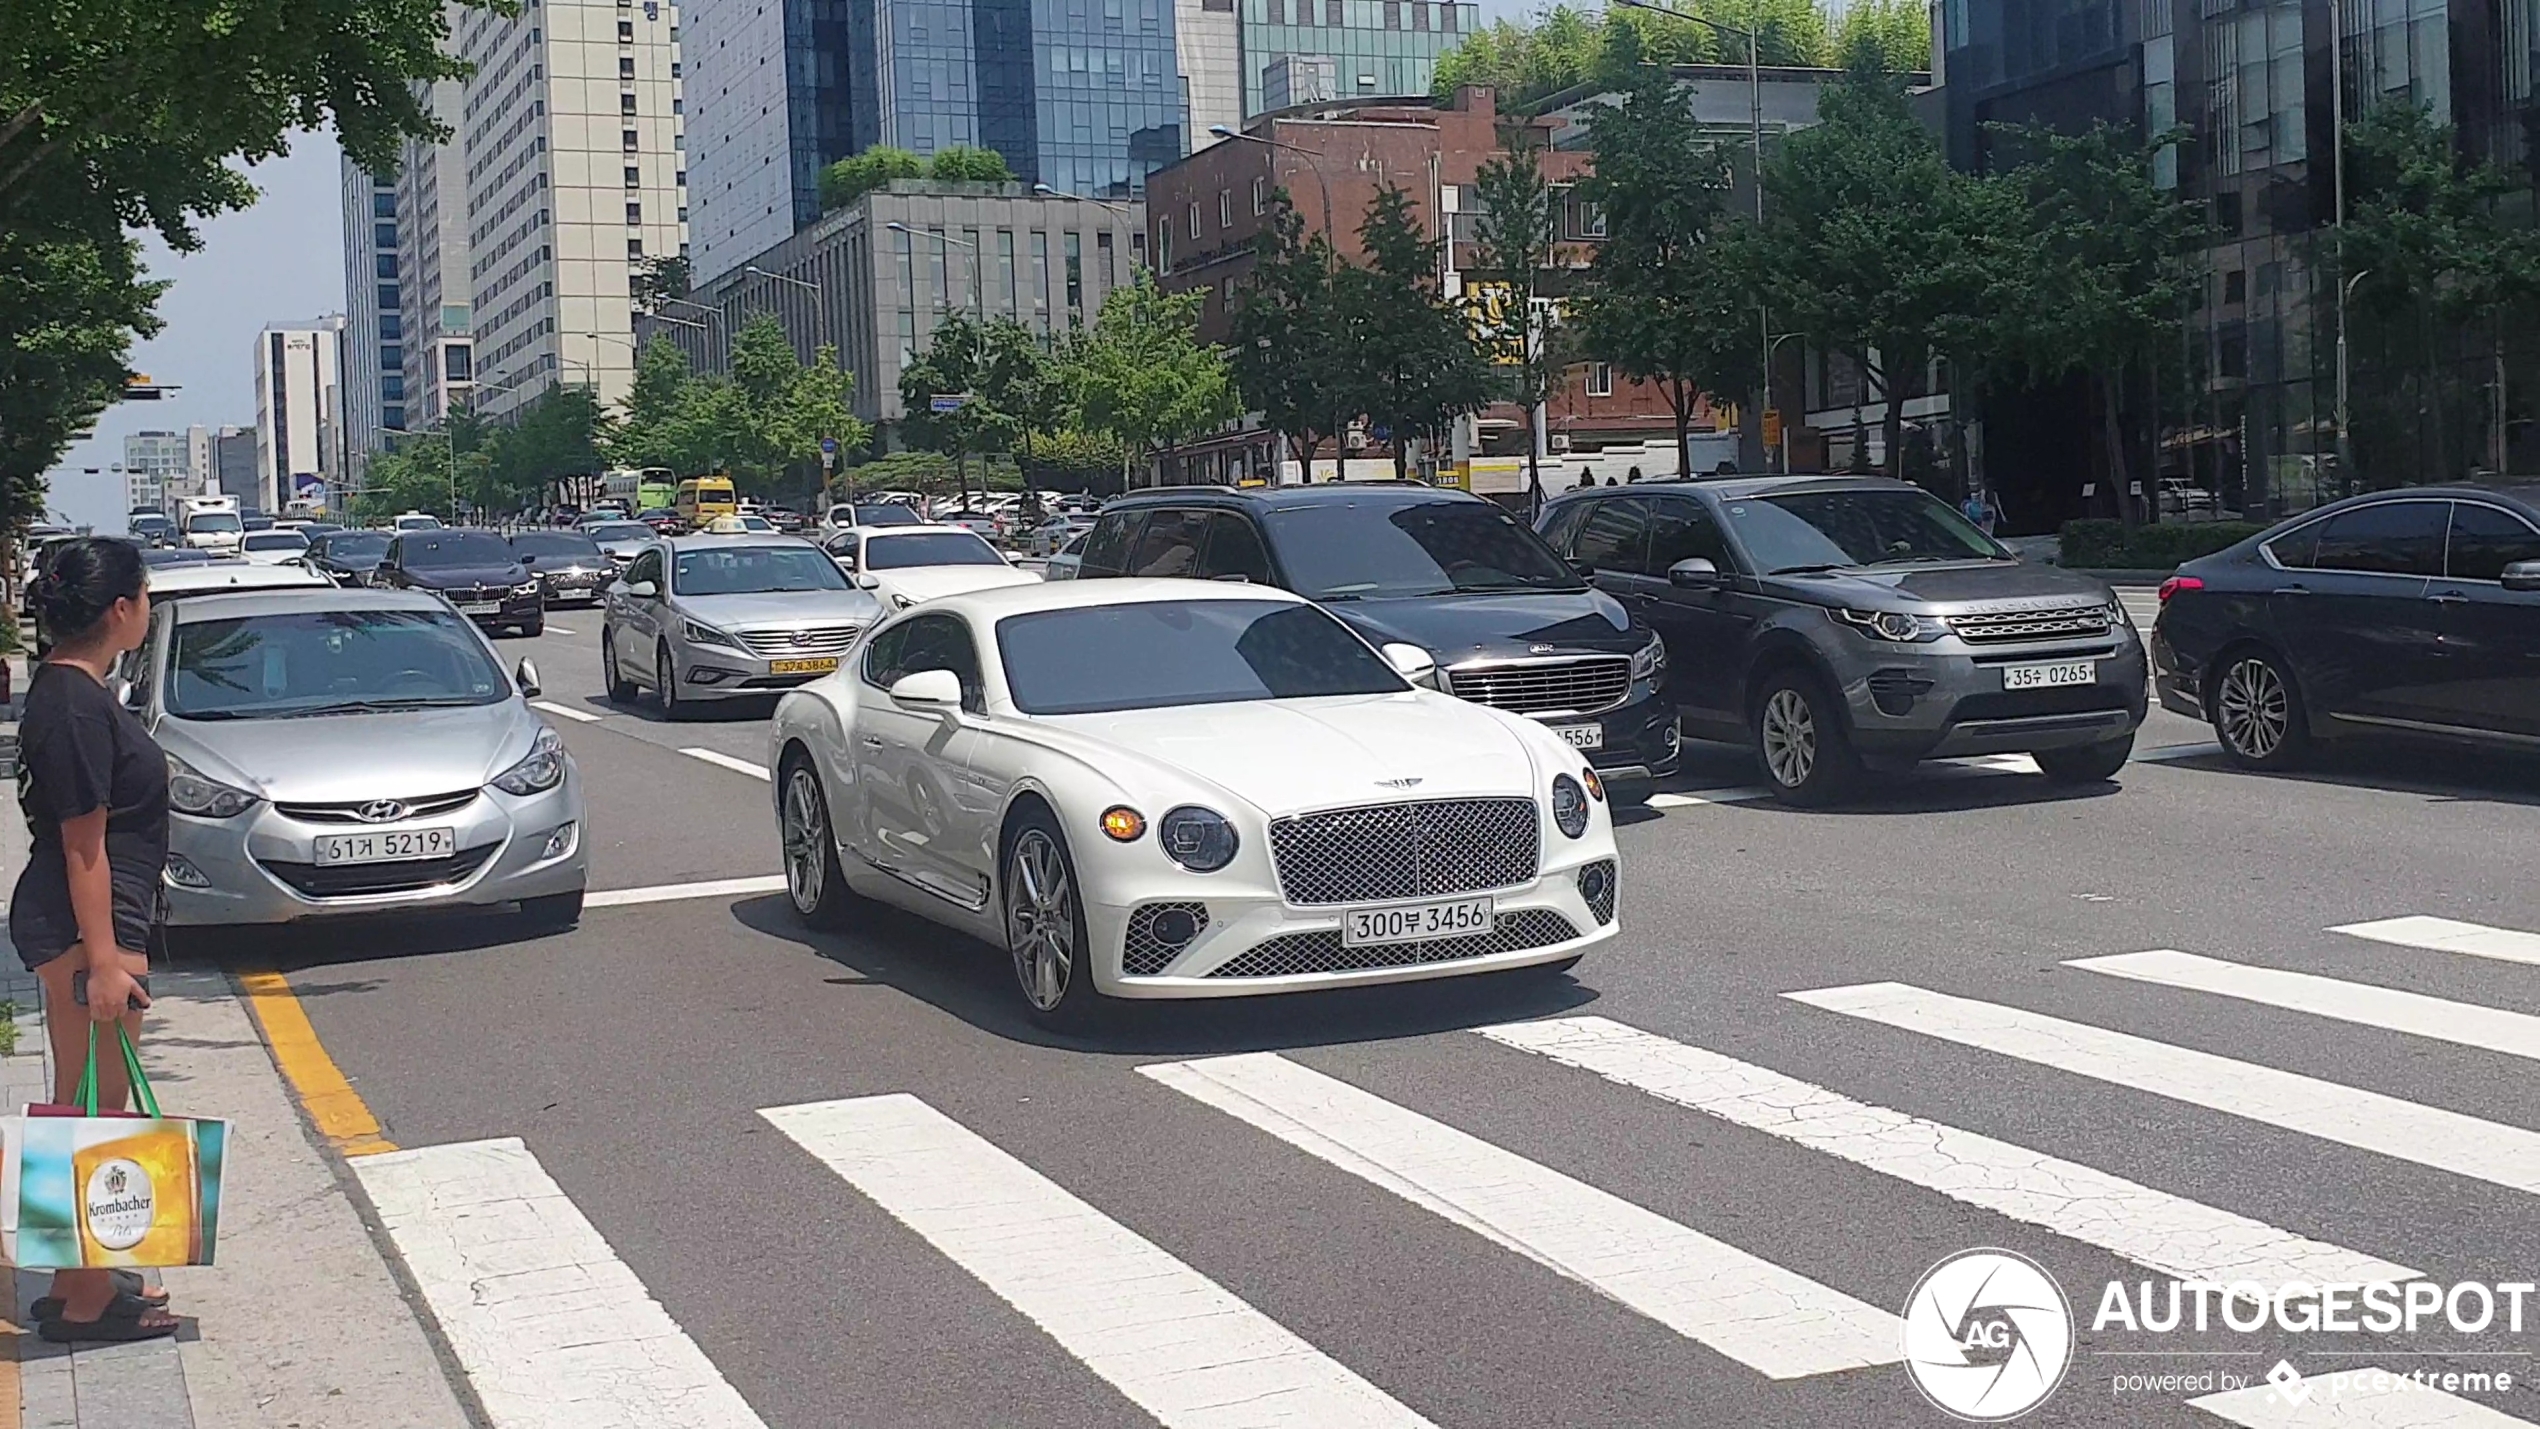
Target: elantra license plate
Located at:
point(1581, 736)
point(802, 667)
point(1415, 922)
point(2047, 677)
point(386, 846)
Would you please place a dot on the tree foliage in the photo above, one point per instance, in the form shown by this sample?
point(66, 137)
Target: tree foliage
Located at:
point(68, 312)
point(962, 161)
point(1142, 377)
point(1567, 48)
point(851, 178)
point(1287, 353)
point(759, 425)
point(1513, 318)
point(1411, 356)
point(1891, 34)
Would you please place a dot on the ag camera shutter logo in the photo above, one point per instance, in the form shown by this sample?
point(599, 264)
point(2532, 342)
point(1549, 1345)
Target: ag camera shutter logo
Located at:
point(1988, 1335)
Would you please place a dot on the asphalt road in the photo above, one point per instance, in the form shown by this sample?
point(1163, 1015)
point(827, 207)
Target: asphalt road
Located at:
point(1559, 1262)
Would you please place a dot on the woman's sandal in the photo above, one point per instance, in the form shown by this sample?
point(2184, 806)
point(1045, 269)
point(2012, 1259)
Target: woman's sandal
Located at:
point(127, 1282)
point(119, 1323)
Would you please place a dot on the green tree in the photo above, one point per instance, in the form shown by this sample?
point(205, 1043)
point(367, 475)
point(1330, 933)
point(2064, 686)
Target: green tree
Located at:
point(1566, 48)
point(1410, 355)
point(1142, 376)
point(849, 179)
point(68, 311)
point(954, 364)
point(1892, 34)
point(961, 161)
point(1514, 319)
point(1287, 350)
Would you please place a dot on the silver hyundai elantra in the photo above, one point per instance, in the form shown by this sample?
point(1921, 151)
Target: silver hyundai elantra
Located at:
point(352, 751)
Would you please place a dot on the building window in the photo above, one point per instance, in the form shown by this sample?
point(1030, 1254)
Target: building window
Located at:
point(391, 357)
point(391, 327)
point(2236, 286)
point(634, 213)
point(1260, 196)
point(1393, 14)
point(383, 205)
point(634, 248)
point(626, 32)
point(678, 105)
point(387, 296)
point(1194, 220)
point(385, 263)
point(625, 66)
point(1225, 208)
point(1419, 14)
point(1005, 269)
point(1600, 379)
point(383, 235)
point(1446, 17)
point(1075, 247)
point(626, 104)
point(456, 363)
point(1040, 280)
point(629, 136)
point(1335, 13)
point(393, 418)
point(634, 177)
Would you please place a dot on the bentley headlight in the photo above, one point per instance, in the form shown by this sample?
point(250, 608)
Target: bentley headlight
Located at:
point(1198, 839)
point(189, 792)
point(1651, 661)
point(541, 771)
point(708, 635)
point(1894, 625)
point(1569, 806)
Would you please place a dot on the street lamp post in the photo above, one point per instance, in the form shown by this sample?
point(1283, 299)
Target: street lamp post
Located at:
point(713, 314)
point(978, 279)
point(819, 303)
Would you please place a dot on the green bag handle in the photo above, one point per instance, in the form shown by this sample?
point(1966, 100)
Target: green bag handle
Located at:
point(86, 1095)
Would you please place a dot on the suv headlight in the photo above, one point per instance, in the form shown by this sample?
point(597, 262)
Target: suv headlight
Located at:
point(1569, 806)
point(707, 635)
point(1894, 625)
point(541, 771)
point(1198, 839)
point(1651, 660)
point(2118, 615)
point(189, 792)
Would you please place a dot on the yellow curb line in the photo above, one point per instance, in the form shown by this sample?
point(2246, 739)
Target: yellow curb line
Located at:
point(334, 1107)
point(12, 1395)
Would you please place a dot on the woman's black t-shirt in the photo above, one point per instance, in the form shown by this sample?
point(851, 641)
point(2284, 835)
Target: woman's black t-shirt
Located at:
point(79, 750)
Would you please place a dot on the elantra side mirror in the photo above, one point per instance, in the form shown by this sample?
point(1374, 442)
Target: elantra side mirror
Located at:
point(2522, 575)
point(1694, 573)
point(525, 675)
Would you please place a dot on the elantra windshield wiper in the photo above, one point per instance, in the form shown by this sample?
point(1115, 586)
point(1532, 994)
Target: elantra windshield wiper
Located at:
point(377, 706)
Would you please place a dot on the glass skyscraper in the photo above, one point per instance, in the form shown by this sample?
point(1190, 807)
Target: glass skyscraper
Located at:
point(1323, 51)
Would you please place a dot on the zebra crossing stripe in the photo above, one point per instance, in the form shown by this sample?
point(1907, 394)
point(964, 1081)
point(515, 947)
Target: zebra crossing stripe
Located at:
point(1173, 1341)
point(2350, 1116)
point(2167, 1233)
point(1774, 1321)
point(2356, 1399)
point(2515, 1034)
point(2445, 935)
point(549, 1325)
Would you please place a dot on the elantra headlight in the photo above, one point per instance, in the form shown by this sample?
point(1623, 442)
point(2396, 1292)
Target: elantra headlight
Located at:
point(1894, 625)
point(541, 771)
point(708, 635)
point(1651, 660)
point(1198, 839)
point(1569, 806)
point(191, 792)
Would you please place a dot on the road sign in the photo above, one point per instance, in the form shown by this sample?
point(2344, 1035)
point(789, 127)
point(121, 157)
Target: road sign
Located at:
point(828, 446)
point(943, 402)
point(1772, 426)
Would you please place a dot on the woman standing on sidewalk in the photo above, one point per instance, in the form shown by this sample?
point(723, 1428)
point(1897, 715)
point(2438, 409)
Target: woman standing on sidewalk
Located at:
point(94, 787)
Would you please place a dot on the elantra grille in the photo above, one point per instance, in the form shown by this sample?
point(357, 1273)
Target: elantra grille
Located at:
point(421, 808)
point(2003, 626)
point(1383, 853)
point(360, 880)
point(783, 644)
point(1321, 952)
point(1582, 686)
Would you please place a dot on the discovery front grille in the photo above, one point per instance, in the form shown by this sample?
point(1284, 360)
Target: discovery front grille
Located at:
point(2003, 626)
point(788, 644)
point(1581, 686)
point(1321, 952)
point(1383, 853)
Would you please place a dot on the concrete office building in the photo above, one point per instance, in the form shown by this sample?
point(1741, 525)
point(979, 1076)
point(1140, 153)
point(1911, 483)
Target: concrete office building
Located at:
point(373, 355)
point(233, 471)
point(435, 287)
point(1364, 49)
point(1208, 47)
point(767, 110)
point(571, 127)
point(298, 421)
point(153, 462)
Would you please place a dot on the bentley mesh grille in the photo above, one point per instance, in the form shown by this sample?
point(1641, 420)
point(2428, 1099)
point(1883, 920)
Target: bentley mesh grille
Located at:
point(1321, 952)
point(1599, 875)
point(1384, 853)
point(1145, 953)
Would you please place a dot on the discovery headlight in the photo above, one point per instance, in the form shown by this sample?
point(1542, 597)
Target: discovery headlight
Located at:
point(1894, 625)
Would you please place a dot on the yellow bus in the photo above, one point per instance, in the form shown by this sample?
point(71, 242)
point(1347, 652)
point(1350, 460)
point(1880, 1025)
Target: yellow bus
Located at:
point(703, 498)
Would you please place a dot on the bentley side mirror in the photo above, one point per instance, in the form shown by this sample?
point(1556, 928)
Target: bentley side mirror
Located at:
point(2522, 575)
point(525, 675)
point(1694, 573)
point(1412, 663)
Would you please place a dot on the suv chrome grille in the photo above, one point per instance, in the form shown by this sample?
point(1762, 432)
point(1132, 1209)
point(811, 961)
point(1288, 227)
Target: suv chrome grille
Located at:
point(1322, 952)
point(1995, 627)
point(1383, 853)
point(423, 807)
point(1580, 686)
point(826, 640)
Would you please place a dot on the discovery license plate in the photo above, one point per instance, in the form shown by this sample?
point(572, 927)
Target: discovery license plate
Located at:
point(1581, 736)
point(2047, 677)
point(802, 667)
point(386, 846)
point(480, 607)
point(1415, 922)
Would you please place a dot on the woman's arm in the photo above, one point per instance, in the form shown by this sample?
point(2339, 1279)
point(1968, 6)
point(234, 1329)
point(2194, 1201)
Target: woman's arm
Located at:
point(110, 984)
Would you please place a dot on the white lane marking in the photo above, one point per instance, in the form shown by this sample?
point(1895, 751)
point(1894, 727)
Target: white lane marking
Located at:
point(568, 711)
point(1708, 796)
point(1179, 1345)
point(2493, 1029)
point(2366, 1398)
point(2445, 935)
point(2008, 763)
point(554, 629)
point(550, 1326)
point(737, 766)
point(2170, 1234)
point(2428, 1136)
point(1774, 1321)
point(674, 892)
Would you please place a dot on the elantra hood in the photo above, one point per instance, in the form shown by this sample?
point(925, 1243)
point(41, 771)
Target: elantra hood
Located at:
point(935, 582)
point(330, 759)
point(1283, 756)
point(781, 608)
point(1453, 628)
point(1952, 588)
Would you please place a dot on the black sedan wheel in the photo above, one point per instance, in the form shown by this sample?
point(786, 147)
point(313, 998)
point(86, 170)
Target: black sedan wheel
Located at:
point(2257, 712)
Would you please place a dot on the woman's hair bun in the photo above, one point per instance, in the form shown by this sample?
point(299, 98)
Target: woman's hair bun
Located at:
point(80, 579)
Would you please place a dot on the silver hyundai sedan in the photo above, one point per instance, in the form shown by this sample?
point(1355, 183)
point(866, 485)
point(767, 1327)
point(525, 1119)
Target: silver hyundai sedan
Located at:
point(353, 751)
point(700, 618)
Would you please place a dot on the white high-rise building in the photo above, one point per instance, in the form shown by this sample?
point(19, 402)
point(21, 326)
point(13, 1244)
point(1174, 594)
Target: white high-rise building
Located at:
point(573, 137)
point(438, 290)
point(152, 463)
point(1208, 50)
point(299, 422)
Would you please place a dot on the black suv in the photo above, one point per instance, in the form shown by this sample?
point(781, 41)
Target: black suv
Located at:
point(1508, 623)
point(1833, 622)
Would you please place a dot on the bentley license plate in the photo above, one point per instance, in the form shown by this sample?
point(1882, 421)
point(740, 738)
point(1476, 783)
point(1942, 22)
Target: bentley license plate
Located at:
point(802, 667)
point(2047, 677)
point(1415, 922)
point(386, 846)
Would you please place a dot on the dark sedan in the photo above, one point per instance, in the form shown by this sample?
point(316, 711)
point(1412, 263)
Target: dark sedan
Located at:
point(2413, 613)
point(348, 556)
point(570, 565)
point(476, 571)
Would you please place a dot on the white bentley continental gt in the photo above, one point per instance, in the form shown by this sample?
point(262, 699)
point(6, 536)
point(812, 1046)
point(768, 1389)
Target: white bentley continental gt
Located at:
point(1167, 788)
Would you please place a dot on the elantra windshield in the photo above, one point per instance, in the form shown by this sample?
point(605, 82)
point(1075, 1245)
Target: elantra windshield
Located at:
point(1155, 654)
point(754, 570)
point(312, 662)
point(1348, 550)
point(1836, 530)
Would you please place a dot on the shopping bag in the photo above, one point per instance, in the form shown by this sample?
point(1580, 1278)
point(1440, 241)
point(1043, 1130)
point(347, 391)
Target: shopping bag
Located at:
point(96, 1189)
